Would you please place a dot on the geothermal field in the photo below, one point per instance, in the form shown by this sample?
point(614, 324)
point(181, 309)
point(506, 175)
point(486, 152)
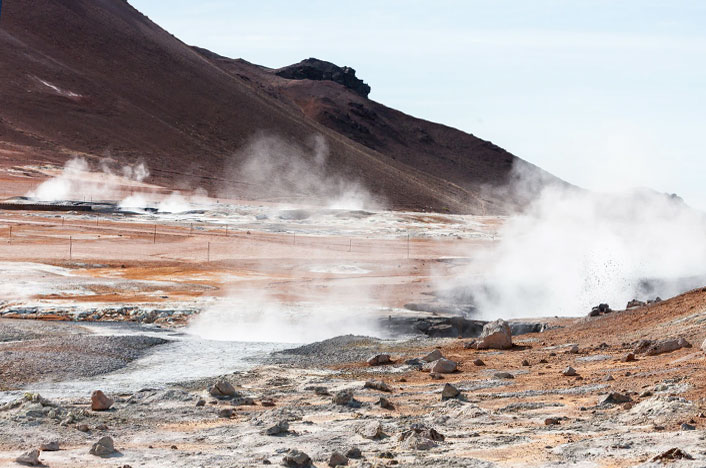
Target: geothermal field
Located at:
point(141, 326)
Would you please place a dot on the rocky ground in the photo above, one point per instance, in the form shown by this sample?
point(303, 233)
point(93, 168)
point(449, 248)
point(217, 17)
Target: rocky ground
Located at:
point(585, 392)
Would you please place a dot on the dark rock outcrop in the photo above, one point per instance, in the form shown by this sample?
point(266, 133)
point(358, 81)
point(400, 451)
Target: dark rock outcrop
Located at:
point(320, 70)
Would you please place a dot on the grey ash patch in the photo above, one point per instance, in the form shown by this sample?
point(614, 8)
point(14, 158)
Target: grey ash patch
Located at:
point(58, 358)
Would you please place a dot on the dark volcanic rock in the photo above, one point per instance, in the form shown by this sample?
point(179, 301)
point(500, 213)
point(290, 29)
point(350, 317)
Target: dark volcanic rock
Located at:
point(320, 70)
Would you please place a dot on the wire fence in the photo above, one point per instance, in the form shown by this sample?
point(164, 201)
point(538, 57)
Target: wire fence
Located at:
point(87, 238)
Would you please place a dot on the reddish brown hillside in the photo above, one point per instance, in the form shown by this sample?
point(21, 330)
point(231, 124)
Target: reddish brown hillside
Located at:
point(98, 78)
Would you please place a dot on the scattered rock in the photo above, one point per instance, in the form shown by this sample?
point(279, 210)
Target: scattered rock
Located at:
point(495, 335)
point(449, 391)
point(372, 430)
point(344, 398)
point(441, 366)
point(226, 413)
point(629, 358)
point(337, 459)
point(673, 454)
point(503, 375)
point(296, 459)
point(52, 446)
point(573, 350)
point(469, 344)
point(281, 427)
point(635, 304)
point(608, 378)
point(525, 363)
point(600, 309)
point(82, 427)
point(322, 391)
point(222, 389)
point(433, 356)
point(436, 376)
point(420, 437)
point(100, 402)
point(687, 427)
point(354, 453)
point(267, 402)
point(614, 398)
point(551, 421)
point(654, 348)
point(569, 371)
point(201, 402)
point(379, 360)
point(385, 403)
point(377, 385)
point(30, 458)
point(103, 448)
point(478, 362)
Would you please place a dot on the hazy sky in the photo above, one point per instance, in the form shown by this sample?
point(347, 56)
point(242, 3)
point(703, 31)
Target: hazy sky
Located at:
point(605, 94)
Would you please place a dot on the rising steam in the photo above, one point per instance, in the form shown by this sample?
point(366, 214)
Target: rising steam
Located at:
point(77, 181)
point(280, 170)
point(571, 249)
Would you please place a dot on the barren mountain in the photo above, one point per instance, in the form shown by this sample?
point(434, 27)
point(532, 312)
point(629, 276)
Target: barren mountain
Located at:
point(99, 79)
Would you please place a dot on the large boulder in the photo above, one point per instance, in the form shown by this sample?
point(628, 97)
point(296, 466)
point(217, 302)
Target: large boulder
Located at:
point(653, 348)
point(103, 448)
point(30, 458)
point(441, 366)
point(222, 389)
point(100, 402)
point(495, 335)
point(296, 458)
point(379, 359)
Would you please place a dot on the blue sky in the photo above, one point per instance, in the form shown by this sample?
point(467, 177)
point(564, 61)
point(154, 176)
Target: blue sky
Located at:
point(605, 94)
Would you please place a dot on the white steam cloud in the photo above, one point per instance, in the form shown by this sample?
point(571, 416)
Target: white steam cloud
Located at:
point(283, 171)
point(256, 316)
point(77, 181)
point(570, 250)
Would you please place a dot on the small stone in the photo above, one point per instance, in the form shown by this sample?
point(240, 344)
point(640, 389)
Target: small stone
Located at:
point(630, 357)
point(103, 448)
point(433, 356)
point(100, 402)
point(379, 359)
point(344, 397)
point(449, 391)
point(573, 350)
point(687, 427)
point(30, 458)
point(226, 413)
point(646, 394)
point(201, 402)
point(441, 366)
point(377, 385)
point(614, 398)
point(337, 459)
point(469, 344)
point(267, 403)
point(543, 361)
point(222, 389)
point(503, 375)
point(608, 378)
point(385, 403)
point(281, 427)
point(525, 363)
point(436, 376)
point(551, 421)
point(478, 362)
point(82, 427)
point(52, 446)
point(296, 459)
point(322, 391)
point(372, 430)
point(102, 427)
point(569, 371)
point(672, 454)
point(354, 453)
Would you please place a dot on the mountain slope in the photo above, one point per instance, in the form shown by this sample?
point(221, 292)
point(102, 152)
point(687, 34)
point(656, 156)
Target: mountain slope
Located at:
point(97, 78)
